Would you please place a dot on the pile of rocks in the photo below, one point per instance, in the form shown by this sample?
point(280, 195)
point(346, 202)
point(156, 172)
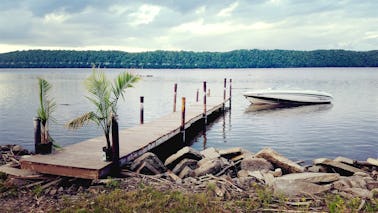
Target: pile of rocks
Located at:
point(241, 169)
point(11, 154)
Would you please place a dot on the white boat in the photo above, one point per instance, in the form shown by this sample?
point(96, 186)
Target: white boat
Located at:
point(292, 97)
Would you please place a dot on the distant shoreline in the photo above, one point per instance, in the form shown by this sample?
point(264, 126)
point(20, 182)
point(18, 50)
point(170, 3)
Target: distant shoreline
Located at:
point(189, 60)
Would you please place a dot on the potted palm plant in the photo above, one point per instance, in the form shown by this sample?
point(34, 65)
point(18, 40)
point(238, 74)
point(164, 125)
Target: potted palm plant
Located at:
point(104, 95)
point(47, 106)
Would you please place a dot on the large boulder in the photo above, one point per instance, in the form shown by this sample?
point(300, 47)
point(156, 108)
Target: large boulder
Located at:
point(341, 168)
point(210, 153)
point(208, 166)
point(192, 164)
point(280, 161)
point(186, 152)
point(230, 153)
point(293, 188)
point(256, 164)
point(148, 163)
point(372, 161)
point(311, 177)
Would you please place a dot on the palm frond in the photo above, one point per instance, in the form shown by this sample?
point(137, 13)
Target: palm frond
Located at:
point(81, 121)
point(47, 106)
point(122, 82)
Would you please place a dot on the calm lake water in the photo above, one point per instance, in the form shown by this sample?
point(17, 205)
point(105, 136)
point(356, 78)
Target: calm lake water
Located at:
point(348, 127)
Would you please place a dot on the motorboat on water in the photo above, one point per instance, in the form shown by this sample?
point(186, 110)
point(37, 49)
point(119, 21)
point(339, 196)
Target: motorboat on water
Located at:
point(288, 97)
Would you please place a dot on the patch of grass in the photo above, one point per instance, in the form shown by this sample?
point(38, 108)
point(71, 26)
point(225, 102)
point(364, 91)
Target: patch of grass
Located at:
point(37, 191)
point(112, 183)
point(147, 199)
point(336, 204)
point(264, 195)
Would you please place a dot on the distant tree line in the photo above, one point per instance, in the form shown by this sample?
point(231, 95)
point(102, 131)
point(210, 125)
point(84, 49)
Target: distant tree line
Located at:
point(188, 59)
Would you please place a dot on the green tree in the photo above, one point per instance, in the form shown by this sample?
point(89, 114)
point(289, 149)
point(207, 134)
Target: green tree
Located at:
point(104, 95)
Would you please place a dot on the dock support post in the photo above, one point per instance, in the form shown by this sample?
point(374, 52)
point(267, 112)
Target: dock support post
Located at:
point(204, 103)
point(37, 134)
point(141, 110)
point(182, 127)
point(224, 93)
point(115, 145)
point(230, 92)
point(174, 97)
point(197, 95)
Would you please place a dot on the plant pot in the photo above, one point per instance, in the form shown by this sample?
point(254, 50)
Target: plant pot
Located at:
point(44, 148)
point(108, 154)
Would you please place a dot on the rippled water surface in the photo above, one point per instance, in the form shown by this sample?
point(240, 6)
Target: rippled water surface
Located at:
point(348, 127)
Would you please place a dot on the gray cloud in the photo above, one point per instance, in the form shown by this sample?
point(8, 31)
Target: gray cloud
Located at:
point(188, 25)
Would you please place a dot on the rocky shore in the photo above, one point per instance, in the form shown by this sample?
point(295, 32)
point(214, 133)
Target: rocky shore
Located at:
point(230, 175)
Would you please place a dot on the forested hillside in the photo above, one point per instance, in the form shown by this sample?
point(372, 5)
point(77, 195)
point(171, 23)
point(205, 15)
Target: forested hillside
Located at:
point(187, 59)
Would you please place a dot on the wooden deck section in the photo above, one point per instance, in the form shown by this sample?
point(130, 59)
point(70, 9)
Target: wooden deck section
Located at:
point(84, 159)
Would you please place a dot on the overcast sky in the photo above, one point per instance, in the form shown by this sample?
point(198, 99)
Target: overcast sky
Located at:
point(194, 25)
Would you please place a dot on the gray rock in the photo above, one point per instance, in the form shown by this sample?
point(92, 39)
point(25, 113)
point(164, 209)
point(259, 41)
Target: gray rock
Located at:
point(344, 160)
point(186, 152)
point(147, 169)
point(317, 168)
point(372, 161)
point(192, 164)
point(319, 160)
point(230, 153)
point(341, 168)
point(362, 193)
point(268, 178)
point(311, 177)
point(292, 188)
point(243, 173)
point(186, 172)
point(255, 164)
point(208, 166)
point(371, 184)
point(210, 153)
point(280, 161)
point(150, 160)
point(277, 172)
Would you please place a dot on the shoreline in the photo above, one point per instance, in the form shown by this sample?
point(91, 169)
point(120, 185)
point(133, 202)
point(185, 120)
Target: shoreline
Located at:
point(243, 176)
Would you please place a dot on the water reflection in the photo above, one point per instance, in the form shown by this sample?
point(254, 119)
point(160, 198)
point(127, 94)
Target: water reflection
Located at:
point(282, 108)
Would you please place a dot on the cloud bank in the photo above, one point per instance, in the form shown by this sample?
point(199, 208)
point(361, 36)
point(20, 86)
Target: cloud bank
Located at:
point(188, 25)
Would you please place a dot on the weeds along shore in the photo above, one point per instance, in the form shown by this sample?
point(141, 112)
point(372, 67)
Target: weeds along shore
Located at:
point(233, 180)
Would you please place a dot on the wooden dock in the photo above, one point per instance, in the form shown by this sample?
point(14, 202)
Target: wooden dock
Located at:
point(84, 159)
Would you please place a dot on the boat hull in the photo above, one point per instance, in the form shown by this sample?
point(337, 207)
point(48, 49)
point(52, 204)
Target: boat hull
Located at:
point(288, 97)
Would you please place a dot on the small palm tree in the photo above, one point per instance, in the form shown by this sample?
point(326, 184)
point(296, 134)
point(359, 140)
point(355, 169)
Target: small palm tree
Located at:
point(105, 96)
point(45, 110)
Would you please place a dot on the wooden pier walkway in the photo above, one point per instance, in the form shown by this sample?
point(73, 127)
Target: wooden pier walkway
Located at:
point(84, 159)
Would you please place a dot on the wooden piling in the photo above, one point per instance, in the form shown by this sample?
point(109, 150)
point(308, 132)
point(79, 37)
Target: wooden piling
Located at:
point(224, 93)
point(141, 110)
point(204, 102)
point(224, 89)
point(37, 134)
point(174, 97)
point(197, 95)
point(182, 127)
point(115, 145)
point(230, 93)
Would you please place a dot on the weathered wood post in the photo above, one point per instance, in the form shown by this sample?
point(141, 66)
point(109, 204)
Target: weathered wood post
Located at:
point(174, 97)
point(197, 95)
point(141, 110)
point(115, 145)
point(182, 127)
point(224, 93)
point(224, 89)
point(37, 134)
point(204, 103)
point(230, 92)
